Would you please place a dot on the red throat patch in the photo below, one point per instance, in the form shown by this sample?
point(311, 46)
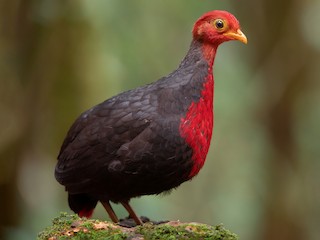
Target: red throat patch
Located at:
point(197, 126)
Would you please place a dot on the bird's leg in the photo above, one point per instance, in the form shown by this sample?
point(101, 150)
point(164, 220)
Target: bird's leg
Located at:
point(132, 214)
point(108, 208)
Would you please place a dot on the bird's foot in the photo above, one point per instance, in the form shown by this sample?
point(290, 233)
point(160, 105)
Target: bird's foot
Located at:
point(130, 223)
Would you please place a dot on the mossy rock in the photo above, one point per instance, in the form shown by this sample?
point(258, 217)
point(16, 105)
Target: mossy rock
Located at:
point(72, 227)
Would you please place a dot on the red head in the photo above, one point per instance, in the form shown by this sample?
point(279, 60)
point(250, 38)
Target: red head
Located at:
point(216, 27)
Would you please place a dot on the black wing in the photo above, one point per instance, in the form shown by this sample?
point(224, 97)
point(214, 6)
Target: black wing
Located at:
point(97, 135)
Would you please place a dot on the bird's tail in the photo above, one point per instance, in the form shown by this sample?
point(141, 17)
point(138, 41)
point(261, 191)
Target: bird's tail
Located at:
point(82, 204)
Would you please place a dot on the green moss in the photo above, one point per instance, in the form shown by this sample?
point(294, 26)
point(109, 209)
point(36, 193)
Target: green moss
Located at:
point(72, 227)
point(176, 231)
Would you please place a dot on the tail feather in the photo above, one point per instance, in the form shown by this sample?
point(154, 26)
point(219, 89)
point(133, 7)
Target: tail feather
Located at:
point(82, 204)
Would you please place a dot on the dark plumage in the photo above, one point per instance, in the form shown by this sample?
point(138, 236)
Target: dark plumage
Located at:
point(147, 140)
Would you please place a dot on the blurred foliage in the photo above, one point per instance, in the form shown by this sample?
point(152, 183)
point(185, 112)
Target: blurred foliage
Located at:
point(58, 58)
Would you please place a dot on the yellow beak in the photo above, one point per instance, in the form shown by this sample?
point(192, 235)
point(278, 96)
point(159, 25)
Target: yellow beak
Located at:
point(239, 35)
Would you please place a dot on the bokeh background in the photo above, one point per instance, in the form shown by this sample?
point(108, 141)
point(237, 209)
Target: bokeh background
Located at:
point(60, 57)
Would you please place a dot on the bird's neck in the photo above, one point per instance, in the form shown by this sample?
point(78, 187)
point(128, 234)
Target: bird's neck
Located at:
point(196, 127)
point(208, 53)
point(200, 51)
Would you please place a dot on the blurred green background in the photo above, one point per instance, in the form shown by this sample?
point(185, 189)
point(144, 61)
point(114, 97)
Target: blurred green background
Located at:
point(60, 57)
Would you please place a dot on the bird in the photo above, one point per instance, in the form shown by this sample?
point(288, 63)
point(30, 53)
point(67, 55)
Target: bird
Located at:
point(150, 139)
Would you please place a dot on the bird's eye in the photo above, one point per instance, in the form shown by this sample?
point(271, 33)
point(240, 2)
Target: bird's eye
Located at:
point(219, 24)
